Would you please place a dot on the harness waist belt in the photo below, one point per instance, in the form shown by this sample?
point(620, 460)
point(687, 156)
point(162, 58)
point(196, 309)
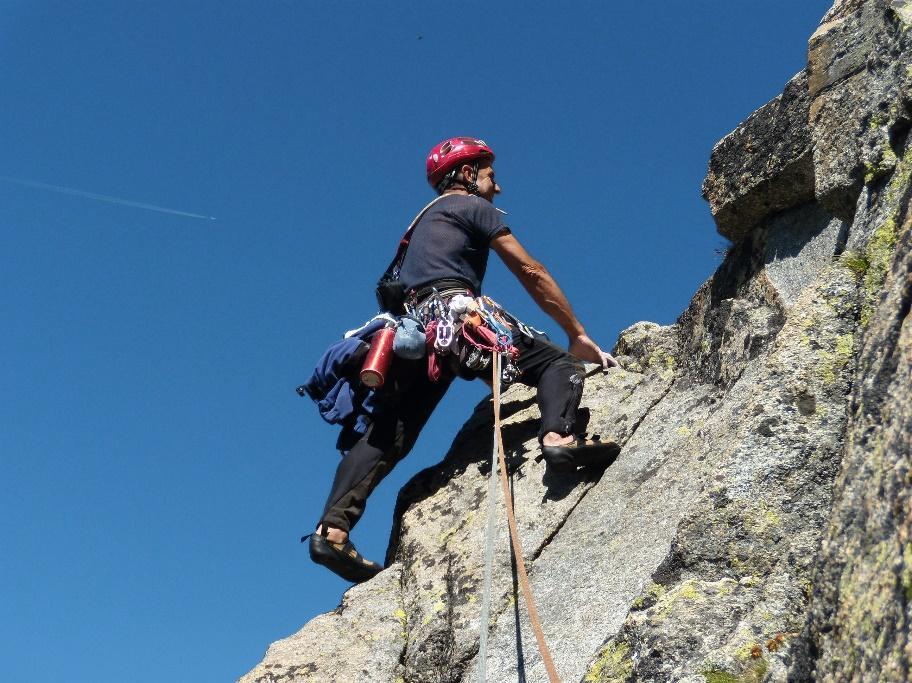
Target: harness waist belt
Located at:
point(451, 286)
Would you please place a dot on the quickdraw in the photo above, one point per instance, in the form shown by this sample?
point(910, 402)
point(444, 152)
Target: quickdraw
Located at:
point(491, 313)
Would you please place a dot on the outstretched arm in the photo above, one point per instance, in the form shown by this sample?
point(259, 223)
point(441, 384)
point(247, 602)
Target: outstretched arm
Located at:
point(547, 294)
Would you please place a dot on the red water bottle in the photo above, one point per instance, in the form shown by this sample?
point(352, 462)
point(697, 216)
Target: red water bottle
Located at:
point(377, 363)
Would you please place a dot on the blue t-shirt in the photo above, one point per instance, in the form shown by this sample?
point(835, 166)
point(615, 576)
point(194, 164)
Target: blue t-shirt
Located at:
point(451, 242)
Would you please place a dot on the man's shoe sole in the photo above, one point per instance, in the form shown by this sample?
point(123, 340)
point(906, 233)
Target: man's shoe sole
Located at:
point(568, 458)
point(342, 559)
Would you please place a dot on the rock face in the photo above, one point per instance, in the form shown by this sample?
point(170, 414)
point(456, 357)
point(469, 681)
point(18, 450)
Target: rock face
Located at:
point(757, 525)
point(765, 165)
point(859, 87)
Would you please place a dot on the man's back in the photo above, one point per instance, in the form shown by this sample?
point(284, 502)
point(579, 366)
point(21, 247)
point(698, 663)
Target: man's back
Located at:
point(451, 242)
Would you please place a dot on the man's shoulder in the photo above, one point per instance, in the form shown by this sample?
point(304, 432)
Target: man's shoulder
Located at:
point(466, 204)
point(455, 199)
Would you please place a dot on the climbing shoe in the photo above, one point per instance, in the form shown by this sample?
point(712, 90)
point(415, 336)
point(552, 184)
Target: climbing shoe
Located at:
point(580, 452)
point(342, 559)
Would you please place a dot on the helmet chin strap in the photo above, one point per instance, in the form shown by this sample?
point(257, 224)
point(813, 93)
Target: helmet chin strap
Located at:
point(450, 179)
point(472, 188)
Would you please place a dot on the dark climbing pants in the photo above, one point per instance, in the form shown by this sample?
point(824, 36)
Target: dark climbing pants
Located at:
point(557, 376)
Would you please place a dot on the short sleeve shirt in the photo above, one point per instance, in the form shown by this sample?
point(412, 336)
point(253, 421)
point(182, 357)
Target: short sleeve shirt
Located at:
point(451, 242)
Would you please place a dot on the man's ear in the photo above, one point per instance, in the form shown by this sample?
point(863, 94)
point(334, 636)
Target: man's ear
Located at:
point(467, 170)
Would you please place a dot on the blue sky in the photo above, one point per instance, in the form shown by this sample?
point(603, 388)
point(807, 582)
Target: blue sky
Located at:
point(156, 466)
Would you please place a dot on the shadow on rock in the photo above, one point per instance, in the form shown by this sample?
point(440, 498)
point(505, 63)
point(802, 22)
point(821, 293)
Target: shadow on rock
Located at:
point(558, 484)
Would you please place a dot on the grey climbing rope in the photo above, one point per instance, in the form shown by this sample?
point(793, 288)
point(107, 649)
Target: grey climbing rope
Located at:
point(517, 549)
point(489, 561)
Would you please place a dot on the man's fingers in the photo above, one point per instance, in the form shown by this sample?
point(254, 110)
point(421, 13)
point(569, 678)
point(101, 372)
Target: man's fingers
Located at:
point(608, 361)
point(586, 349)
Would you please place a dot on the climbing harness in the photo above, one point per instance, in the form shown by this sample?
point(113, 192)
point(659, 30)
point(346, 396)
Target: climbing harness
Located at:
point(498, 455)
point(466, 332)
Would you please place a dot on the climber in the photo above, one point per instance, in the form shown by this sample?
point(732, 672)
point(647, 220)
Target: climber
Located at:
point(446, 256)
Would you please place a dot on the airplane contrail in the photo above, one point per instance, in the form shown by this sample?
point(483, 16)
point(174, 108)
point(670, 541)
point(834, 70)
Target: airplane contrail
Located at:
point(103, 198)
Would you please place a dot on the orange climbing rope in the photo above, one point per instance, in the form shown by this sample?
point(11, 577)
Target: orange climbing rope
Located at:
point(514, 532)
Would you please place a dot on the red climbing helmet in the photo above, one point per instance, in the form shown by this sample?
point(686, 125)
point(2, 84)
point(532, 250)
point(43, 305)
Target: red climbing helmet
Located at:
point(452, 152)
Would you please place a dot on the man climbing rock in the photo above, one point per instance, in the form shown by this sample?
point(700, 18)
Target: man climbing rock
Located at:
point(440, 266)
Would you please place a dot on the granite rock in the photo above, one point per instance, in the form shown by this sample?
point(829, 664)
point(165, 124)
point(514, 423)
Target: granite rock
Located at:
point(765, 165)
point(859, 86)
point(371, 620)
point(859, 625)
point(756, 525)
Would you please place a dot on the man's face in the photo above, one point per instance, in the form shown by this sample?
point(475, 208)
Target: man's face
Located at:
point(487, 186)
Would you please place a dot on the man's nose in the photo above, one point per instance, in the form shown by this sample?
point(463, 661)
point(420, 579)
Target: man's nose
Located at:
point(496, 188)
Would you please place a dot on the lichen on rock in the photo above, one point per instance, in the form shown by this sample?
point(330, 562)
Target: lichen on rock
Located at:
point(613, 665)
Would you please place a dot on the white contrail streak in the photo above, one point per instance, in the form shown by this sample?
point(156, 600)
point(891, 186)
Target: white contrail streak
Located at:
point(103, 198)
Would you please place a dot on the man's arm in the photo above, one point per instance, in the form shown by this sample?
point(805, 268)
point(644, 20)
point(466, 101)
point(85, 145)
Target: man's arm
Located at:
point(547, 294)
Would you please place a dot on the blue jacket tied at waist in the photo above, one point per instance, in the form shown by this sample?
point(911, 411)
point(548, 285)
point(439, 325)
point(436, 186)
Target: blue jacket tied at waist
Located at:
point(337, 390)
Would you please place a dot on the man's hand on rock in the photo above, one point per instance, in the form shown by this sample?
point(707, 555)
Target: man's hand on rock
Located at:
point(585, 349)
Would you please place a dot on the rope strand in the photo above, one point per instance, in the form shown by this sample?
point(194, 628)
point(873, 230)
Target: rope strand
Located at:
point(489, 561)
point(514, 538)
